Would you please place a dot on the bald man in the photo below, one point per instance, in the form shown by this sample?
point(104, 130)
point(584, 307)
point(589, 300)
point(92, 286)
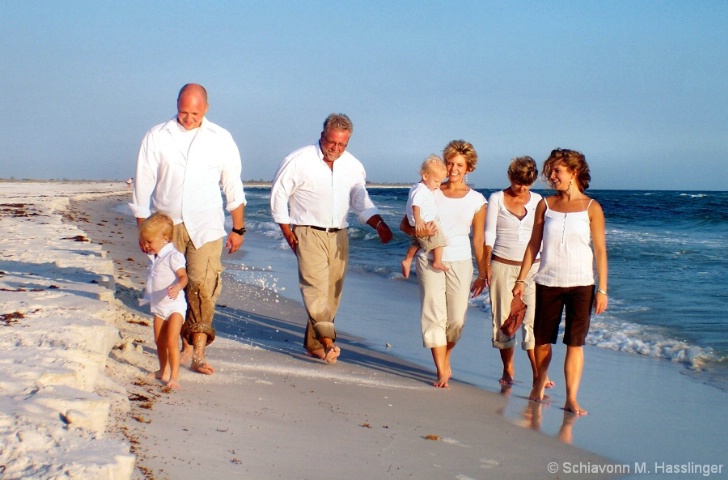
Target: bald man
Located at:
point(182, 165)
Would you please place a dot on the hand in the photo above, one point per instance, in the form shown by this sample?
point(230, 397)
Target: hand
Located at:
point(292, 240)
point(488, 274)
point(385, 234)
point(478, 287)
point(143, 247)
point(600, 303)
point(234, 242)
point(518, 289)
point(430, 230)
point(173, 291)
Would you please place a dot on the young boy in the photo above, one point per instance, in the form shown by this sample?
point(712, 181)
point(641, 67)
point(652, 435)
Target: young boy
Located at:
point(421, 209)
point(166, 280)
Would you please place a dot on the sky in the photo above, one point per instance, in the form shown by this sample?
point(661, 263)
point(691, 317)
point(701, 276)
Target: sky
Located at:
point(639, 86)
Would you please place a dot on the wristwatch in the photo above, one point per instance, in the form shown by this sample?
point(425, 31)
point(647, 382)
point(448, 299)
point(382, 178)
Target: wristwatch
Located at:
point(239, 231)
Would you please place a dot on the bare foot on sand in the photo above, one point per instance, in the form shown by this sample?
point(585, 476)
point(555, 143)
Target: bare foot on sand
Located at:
point(536, 394)
point(173, 384)
point(318, 353)
point(159, 375)
point(573, 407)
point(439, 266)
point(406, 265)
point(442, 381)
point(506, 380)
point(199, 365)
point(332, 354)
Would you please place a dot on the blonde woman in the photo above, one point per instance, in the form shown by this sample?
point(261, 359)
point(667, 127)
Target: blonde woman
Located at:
point(444, 294)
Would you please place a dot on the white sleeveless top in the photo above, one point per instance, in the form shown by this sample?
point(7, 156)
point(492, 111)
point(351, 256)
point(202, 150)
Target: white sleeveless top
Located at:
point(456, 219)
point(567, 259)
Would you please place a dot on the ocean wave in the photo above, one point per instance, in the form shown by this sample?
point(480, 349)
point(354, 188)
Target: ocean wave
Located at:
point(632, 338)
point(629, 337)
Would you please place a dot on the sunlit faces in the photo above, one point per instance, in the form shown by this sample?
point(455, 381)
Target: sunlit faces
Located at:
point(434, 177)
point(153, 242)
point(457, 168)
point(560, 177)
point(191, 108)
point(333, 143)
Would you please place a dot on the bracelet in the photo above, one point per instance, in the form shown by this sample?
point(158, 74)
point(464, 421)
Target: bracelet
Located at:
point(603, 292)
point(481, 278)
point(520, 281)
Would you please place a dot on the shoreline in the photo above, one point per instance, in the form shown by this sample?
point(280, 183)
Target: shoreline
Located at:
point(267, 397)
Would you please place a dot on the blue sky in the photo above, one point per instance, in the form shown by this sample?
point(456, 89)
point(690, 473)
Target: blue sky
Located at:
point(640, 87)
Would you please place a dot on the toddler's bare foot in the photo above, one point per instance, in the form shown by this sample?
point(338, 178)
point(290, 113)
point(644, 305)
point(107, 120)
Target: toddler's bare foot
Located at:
point(173, 384)
point(439, 266)
point(406, 265)
point(158, 375)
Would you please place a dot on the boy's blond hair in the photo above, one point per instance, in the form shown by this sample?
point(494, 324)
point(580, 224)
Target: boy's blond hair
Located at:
point(431, 164)
point(157, 224)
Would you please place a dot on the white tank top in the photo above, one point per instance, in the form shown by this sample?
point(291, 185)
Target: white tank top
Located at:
point(567, 259)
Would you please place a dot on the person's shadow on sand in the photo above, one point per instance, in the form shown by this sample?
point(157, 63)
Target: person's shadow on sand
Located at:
point(286, 337)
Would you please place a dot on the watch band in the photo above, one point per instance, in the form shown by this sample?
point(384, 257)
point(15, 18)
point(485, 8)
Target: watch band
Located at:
point(239, 231)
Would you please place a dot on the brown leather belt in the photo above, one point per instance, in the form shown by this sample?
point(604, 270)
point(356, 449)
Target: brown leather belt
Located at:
point(496, 258)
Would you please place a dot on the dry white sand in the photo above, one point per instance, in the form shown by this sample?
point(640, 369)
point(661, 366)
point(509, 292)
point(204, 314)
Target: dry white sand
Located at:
point(76, 402)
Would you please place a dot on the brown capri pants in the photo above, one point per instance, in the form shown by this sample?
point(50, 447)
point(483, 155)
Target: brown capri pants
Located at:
point(550, 303)
point(322, 261)
point(204, 267)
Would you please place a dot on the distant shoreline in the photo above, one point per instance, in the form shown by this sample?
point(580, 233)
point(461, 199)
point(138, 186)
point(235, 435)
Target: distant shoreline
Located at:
point(261, 184)
point(257, 184)
point(251, 183)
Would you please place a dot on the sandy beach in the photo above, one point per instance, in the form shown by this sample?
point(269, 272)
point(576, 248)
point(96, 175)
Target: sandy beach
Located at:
point(76, 401)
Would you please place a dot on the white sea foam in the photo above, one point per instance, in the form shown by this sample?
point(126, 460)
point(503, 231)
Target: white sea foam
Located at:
point(632, 338)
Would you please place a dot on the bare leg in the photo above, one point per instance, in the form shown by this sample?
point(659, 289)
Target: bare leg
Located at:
point(543, 360)
point(573, 368)
point(174, 326)
point(506, 355)
point(534, 369)
point(199, 364)
point(437, 259)
point(441, 356)
point(160, 331)
point(407, 262)
point(186, 356)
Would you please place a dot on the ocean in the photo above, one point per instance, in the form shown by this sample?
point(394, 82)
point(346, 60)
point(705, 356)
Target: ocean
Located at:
point(668, 297)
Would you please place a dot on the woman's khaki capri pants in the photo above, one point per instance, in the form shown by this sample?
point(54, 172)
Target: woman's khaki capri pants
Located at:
point(444, 297)
point(502, 281)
